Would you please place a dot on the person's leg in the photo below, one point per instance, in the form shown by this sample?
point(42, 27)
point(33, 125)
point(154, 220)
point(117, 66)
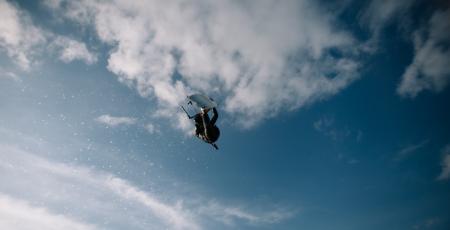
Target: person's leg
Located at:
point(214, 118)
point(199, 128)
point(206, 123)
point(209, 126)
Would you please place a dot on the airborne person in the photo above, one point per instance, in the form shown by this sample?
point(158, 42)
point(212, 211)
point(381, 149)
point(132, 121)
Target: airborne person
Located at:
point(205, 128)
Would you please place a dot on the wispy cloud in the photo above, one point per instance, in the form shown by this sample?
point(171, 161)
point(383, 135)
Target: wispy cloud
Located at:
point(430, 223)
point(19, 214)
point(173, 215)
point(71, 50)
point(378, 15)
point(230, 215)
point(115, 121)
point(326, 125)
point(5, 74)
point(90, 195)
point(359, 136)
point(429, 68)
point(151, 128)
point(445, 173)
point(87, 198)
point(409, 149)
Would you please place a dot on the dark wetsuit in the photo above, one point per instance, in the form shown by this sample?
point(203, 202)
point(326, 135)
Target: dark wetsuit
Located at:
point(205, 128)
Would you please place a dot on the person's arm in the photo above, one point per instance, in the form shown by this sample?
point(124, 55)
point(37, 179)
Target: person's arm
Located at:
point(215, 116)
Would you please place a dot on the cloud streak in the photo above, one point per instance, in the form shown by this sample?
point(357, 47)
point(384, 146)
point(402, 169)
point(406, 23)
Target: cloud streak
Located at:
point(410, 149)
point(90, 194)
point(174, 216)
point(18, 214)
point(85, 198)
point(230, 215)
point(115, 121)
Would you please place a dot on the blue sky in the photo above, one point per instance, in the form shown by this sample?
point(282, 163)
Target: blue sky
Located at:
point(333, 115)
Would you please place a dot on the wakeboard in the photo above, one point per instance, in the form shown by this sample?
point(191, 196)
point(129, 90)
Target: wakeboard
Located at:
point(202, 101)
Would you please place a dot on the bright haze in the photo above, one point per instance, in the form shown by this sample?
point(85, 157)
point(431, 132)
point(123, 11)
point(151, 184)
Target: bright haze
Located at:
point(333, 114)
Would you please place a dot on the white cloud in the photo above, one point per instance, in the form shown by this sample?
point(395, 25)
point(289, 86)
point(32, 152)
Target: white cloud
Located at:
point(18, 36)
point(259, 58)
point(115, 121)
point(71, 50)
point(20, 215)
point(25, 44)
point(445, 174)
point(429, 69)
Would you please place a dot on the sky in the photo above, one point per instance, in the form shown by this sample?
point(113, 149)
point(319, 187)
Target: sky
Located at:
point(333, 114)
